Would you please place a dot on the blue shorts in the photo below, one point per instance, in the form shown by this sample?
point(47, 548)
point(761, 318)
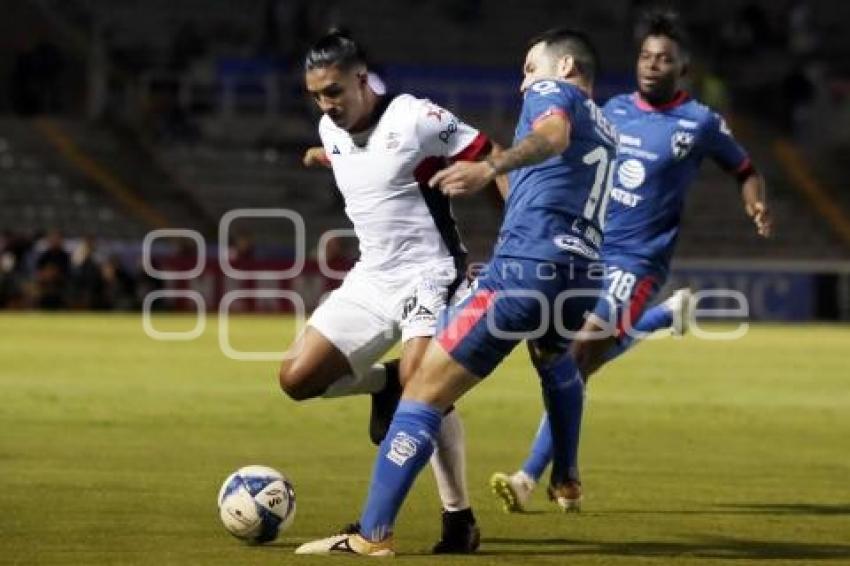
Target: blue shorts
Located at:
point(631, 283)
point(514, 300)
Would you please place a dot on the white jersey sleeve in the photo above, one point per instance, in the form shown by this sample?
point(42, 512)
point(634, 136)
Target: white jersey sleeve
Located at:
point(441, 134)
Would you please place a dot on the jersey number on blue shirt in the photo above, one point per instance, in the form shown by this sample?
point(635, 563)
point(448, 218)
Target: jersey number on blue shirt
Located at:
point(597, 201)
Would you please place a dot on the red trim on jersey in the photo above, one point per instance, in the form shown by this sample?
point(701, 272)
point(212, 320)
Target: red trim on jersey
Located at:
point(551, 111)
point(427, 168)
point(744, 170)
point(464, 320)
point(637, 304)
point(745, 164)
point(476, 149)
point(681, 97)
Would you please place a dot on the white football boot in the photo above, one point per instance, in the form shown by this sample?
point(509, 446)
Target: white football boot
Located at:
point(513, 491)
point(679, 303)
point(352, 544)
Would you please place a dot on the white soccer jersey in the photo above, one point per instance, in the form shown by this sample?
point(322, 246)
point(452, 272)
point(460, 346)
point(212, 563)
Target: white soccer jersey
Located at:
point(383, 173)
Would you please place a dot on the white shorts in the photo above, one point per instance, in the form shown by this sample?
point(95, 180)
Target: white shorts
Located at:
point(369, 312)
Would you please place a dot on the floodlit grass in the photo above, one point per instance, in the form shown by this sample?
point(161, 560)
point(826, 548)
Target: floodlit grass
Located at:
point(113, 446)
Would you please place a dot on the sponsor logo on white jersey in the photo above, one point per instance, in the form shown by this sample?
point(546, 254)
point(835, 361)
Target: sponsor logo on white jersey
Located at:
point(449, 130)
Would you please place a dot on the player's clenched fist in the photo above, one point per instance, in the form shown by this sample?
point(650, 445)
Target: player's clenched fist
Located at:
point(761, 216)
point(316, 157)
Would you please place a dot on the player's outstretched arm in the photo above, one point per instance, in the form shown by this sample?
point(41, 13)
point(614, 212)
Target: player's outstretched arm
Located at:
point(550, 137)
point(316, 157)
point(753, 195)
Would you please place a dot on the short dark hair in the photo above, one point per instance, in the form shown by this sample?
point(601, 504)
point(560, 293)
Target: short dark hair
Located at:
point(666, 22)
point(337, 47)
point(574, 43)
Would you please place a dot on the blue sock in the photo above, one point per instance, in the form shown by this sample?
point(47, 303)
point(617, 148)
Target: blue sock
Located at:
point(401, 456)
point(541, 450)
point(656, 318)
point(563, 394)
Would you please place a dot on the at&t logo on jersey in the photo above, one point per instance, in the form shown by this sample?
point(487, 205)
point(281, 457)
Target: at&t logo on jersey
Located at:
point(681, 144)
point(631, 173)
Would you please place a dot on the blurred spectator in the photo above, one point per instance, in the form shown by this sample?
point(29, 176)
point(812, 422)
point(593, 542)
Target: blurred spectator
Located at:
point(119, 287)
point(87, 285)
point(11, 290)
point(52, 272)
point(241, 251)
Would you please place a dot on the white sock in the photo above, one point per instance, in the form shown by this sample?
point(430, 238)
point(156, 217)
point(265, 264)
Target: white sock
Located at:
point(449, 464)
point(372, 381)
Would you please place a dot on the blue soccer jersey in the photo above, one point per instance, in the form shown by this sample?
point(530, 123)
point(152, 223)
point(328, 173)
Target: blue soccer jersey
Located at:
point(659, 153)
point(554, 208)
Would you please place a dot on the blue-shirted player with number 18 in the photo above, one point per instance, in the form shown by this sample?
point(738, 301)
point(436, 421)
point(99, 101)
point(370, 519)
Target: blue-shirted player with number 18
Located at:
point(664, 135)
point(538, 286)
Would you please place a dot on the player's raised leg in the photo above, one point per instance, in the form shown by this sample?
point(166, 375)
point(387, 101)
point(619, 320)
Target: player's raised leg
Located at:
point(314, 366)
point(336, 354)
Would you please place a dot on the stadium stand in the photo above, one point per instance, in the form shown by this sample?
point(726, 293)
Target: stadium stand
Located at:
point(194, 108)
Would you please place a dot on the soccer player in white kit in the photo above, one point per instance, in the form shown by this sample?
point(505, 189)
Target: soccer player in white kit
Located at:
point(383, 149)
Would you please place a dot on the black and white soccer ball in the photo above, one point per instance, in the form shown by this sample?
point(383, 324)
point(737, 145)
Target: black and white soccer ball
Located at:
point(256, 504)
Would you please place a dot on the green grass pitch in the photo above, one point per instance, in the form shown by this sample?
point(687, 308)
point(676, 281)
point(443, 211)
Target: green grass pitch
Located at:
point(113, 447)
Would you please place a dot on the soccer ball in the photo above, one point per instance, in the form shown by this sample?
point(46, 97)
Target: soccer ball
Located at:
point(256, 504)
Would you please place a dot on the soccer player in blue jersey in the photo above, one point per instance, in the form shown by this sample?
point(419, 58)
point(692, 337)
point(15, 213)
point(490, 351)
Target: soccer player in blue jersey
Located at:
point(538, 285)
point(664, 135)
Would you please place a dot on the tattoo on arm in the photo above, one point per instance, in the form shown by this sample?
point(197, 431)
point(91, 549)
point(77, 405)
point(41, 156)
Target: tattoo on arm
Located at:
point(532, 149)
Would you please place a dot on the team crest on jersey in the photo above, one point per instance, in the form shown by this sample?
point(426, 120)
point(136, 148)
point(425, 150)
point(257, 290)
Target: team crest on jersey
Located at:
point(402, 448)
point(335, 150)
point(681, 144)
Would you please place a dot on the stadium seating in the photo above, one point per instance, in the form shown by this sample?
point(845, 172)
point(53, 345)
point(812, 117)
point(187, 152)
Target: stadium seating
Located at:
point(40, 192)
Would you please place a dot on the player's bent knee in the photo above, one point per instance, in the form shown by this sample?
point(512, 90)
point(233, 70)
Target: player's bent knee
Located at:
point(295, 382)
